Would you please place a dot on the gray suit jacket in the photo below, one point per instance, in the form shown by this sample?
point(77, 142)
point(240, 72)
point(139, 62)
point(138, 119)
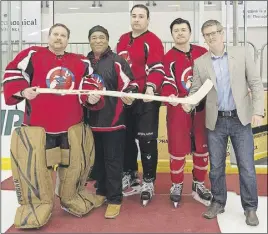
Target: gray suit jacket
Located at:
point(243, 75)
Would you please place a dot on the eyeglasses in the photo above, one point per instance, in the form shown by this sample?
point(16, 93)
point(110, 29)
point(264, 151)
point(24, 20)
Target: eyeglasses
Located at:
point(213, 34)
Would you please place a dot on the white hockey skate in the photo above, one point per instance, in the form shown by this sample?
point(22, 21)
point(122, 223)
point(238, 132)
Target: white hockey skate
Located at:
point(131, 184)
point(175, 193)
point(147, 192)
point(201, 193)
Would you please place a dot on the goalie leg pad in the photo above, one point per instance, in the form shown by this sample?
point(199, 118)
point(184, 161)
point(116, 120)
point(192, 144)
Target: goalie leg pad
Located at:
point(70, 185)
point(32, 179)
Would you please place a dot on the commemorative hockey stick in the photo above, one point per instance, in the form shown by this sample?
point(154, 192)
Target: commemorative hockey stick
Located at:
point(193, 99)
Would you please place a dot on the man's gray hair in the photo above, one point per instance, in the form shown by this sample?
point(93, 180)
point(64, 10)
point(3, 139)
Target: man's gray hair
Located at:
point(210, 23)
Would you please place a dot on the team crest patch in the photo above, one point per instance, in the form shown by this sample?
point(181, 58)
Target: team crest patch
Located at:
point(187, 78)
point(60, 78)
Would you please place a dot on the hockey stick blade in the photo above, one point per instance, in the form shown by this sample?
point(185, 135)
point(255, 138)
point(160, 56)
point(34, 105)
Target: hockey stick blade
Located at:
point(193, 99)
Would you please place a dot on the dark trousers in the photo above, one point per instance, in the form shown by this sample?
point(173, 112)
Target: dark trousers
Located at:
point(109, 152)
point(142, 120)
point(94, 173)
point(242, 140)
point(57, 140)
point(131, 149)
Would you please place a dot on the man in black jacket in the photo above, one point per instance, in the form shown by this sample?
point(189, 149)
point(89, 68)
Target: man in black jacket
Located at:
point(108, 125)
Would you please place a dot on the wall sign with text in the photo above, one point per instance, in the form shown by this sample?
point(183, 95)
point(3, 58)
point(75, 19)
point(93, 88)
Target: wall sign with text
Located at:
point(256, 13)
point(31, 21)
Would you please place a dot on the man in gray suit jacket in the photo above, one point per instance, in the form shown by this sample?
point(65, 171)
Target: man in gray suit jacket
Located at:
point(235, 101)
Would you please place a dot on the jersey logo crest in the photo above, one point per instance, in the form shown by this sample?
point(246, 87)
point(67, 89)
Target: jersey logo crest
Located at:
point(187, 78)
point(60, 78)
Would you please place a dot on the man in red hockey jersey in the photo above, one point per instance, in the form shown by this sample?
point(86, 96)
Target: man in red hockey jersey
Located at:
point(52, 131)
point(186, 132)
point(144, 52)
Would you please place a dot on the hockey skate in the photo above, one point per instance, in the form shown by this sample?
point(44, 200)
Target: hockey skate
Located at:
point(175, 193)
point(147, 192)
point(201, 193)
point(131, 183)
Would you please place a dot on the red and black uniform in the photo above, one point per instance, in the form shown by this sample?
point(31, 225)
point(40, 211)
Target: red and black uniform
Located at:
point(186, 132)
point(38, 66)
point(113, 73)
point(145, 55)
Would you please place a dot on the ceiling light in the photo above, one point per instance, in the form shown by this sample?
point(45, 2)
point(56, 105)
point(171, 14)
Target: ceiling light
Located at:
point(73, 8)
point(173, 5)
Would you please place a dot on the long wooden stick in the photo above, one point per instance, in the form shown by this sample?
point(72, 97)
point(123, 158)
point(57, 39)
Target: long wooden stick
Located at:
point(193, 99)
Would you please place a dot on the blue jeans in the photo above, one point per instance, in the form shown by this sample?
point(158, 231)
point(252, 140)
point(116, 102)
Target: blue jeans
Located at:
point(242, 140)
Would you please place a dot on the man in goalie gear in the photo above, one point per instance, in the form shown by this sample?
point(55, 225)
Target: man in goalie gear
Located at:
point(53, 131)
point(184, 130)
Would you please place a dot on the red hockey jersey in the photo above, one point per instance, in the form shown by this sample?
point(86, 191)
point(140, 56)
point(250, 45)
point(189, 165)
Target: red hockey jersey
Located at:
point(179, 70)
point(39, 67)
point(145, 55)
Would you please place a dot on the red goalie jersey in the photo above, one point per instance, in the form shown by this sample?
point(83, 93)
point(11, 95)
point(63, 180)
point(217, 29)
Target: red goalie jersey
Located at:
point(39, 67)
point(179, 70)
point(145, 55)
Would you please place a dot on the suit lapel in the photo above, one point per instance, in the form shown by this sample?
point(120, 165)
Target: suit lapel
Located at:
point(210, 70)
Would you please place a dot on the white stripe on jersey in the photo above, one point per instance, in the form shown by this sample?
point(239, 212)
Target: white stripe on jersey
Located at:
point(12, 71)
point(167, 82)
point(26, 76)
point(171, 71)
point(23, 64)
point(90, 69)
point(80, 87)
point(90, 83)
point(12, 78)
point(124, 77)
point(148, 47)
point(169, 78)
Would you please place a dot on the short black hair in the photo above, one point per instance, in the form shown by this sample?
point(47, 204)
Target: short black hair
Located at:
point(143, 7)
point(180, 21)
point(60, 25)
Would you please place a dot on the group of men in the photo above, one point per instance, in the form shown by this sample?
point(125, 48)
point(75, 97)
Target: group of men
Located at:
point(77, 132)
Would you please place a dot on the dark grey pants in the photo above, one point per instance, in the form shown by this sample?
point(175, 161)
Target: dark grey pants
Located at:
point(109, 148)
